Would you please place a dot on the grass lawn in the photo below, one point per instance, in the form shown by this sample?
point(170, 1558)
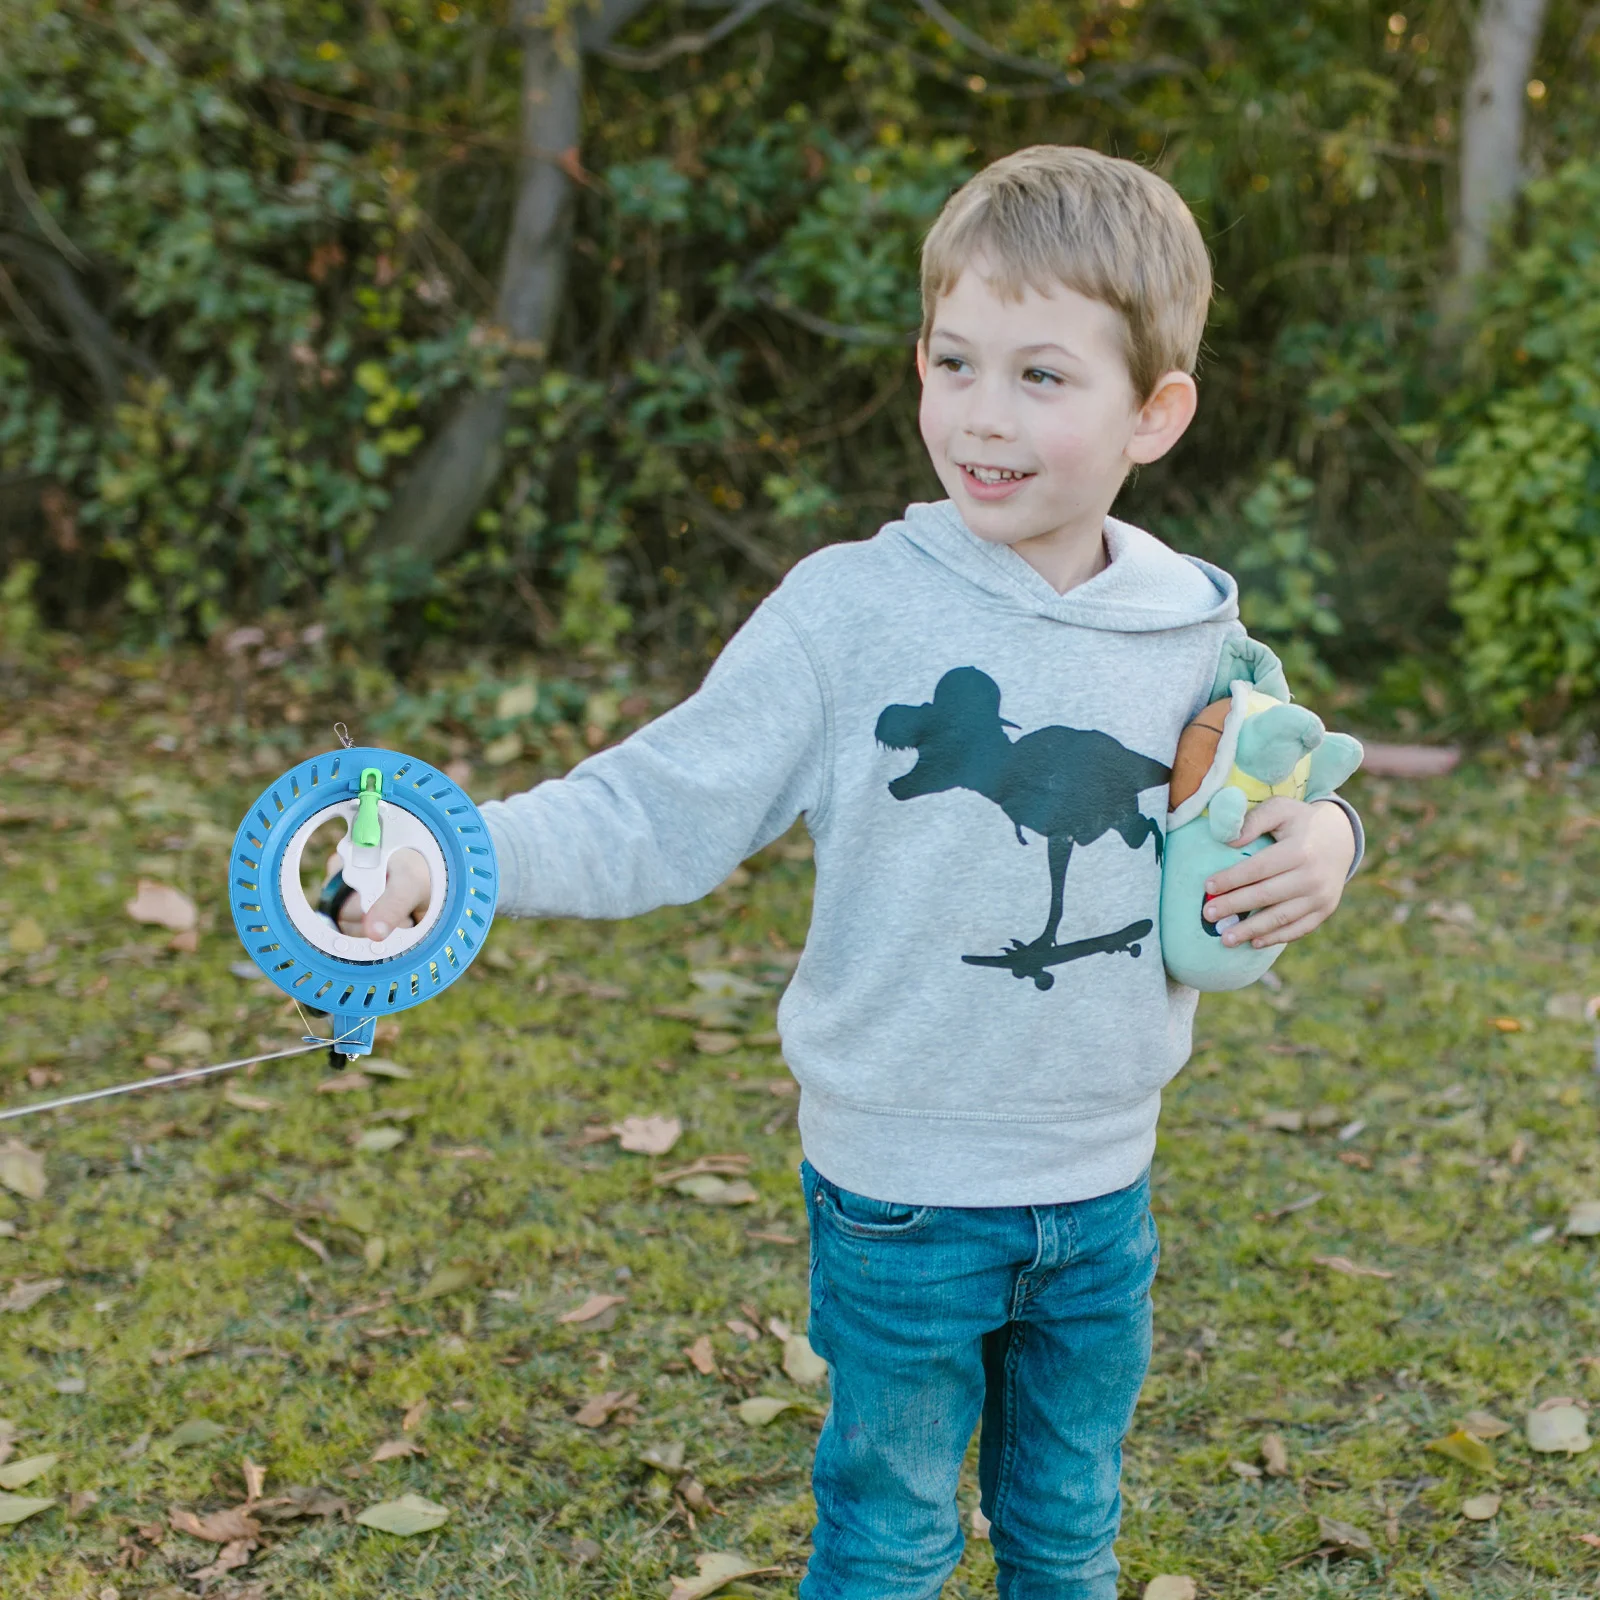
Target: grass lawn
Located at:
point(1412, 1102)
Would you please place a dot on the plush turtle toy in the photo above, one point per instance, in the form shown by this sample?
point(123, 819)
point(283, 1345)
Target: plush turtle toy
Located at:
point(1247, 746)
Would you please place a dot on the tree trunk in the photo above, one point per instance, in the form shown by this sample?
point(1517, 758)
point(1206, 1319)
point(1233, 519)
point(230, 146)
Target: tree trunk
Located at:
point(433, 509)
point(1505, 38)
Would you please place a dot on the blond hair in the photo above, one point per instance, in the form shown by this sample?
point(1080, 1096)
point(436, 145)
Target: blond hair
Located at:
point(1054, 215)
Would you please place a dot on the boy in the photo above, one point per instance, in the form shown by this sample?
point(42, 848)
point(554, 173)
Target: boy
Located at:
point(974, 711)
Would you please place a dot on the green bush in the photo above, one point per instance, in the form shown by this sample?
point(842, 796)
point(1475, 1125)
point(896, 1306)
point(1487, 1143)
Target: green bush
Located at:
point(1525, 462)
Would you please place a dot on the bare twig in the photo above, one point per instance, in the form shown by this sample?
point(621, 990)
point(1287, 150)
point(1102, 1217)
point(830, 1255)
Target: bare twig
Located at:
point(847, 332)
point(685, 44)
point(36, 208)
point(25, 314)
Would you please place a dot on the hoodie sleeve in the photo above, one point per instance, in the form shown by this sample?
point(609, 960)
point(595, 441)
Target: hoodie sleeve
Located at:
point(665, 816)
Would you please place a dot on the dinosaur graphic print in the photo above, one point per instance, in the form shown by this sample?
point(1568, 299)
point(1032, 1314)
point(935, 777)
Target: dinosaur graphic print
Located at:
point(1072, 785)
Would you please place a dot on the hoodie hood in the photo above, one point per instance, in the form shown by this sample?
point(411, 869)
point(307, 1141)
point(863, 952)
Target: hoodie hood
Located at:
point(1145, 588)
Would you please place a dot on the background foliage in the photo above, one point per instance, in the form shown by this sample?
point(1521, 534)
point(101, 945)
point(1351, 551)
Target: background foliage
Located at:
point(285, 218)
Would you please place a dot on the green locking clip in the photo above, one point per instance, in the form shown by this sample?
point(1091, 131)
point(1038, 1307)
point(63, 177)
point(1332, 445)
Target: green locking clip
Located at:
point(367, 831)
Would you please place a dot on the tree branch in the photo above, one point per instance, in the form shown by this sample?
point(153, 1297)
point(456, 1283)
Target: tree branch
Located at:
point(685, 44)
point(848, 333)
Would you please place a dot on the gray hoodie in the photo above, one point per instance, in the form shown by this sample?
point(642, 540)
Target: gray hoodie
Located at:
point(980, 1016)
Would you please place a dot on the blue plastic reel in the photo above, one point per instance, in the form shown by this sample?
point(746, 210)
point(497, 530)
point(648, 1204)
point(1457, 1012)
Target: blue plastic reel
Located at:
point(407, 805)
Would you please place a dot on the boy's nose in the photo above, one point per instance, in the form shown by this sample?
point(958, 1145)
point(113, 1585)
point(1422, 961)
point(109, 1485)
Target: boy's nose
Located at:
point(988, 415)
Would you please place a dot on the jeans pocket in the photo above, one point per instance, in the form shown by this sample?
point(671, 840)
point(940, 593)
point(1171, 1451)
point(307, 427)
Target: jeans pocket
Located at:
point(862, 1217)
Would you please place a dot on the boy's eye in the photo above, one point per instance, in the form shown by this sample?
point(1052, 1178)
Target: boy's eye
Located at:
point(950, 363)
point(1041, 376)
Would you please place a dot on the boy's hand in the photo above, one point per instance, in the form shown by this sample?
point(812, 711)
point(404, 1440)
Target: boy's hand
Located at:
point(406, 892)
point(1292, 885)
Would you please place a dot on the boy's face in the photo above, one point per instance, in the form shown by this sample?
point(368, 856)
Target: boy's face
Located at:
point(1030, 415)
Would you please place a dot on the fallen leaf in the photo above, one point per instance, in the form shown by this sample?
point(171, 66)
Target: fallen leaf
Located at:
point(412, 1420)
point(1170, 1586)
point(713, 1042)
point(712, 1571)
point(465, 1152)
point(197, 1430)
point(393, 1449)
point(16, 1473)
point(801, 1362)
point(1380, 760)
point(448, 1280)
point(249, 1102)
point(1481, 1507)
point(1466, 1448)
point(233, 1555)
point(70, 1386)
point(701, 1356)
point(760, 1409)
point(17, 1507)
point(1245, 1469)
point(1484, 1425)
point(162, 905)
point(726, 986)
point(186, 1041)
point(408, 1515)
point(1590, 1539)
point(375, 1141)
point(1344, 1537)
point(22, 1170)
point(713, 1191)
point(24, 1296)
point(597, 1412)
point(80, 1502)
point(1345, 1265)
point(221, 1527)
point(314, 1245)
point(299, 1501)
point(255, 1479)
point(666, 1458)
point(1558, 1428)
point(27, 937)
point(344, 1083)
point(1583, 1221)
point(745, 1330)
point(720, 1165)
point(649, 1136)
point(778, 1328)
point(382, 1067)
point(1284, 1121)
point(1275, 1455)
point(596, 1305)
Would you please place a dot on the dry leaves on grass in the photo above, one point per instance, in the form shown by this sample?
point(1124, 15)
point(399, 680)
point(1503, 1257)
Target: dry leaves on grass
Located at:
point(1275, 1455)
point(600, 1410)
point(394, 1449)
point(803, 1365)
point(408, 1515)
point(160, 905)
point(16, 1473)
point(249, 1102)
point(22, 1170)
point(592, 1309)
point(701, 1356)
point(711, 1190)
point(220, 1527)
point(1481, 1507)
point(255, 1480)
point(18, 1507)
point(376, 1141)
point(233, 1555)
point(1484, 1425)
point(760, 1409)
point(344, 1083)
point(714, 1571)
point(1170, 1586)
point(1583, 1221)
point(648, 1136)
point(1466, 1448)
point(1558, 1426)
point(714, 1042)
point(1343, 1538)
point(1348, 1268)
point(197, 1430)
point(25, 1296)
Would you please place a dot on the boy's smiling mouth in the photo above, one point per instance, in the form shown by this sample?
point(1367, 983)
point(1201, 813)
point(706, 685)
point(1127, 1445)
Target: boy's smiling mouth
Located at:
point(992, 483)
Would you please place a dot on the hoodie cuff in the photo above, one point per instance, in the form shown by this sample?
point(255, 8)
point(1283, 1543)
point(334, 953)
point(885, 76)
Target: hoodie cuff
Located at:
point(1355, 828)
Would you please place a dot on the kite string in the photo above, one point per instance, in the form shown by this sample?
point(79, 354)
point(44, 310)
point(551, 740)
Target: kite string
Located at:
point(189, 1075)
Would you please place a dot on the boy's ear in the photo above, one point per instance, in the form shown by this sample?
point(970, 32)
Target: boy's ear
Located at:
point(922, 362)
point(1163, 418)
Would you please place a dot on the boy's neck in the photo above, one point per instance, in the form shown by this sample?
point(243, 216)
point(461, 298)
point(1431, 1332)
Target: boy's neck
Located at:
point(1068, 556)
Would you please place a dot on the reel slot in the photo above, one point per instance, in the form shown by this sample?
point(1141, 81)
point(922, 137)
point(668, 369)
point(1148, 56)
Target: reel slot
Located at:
point(357, 979)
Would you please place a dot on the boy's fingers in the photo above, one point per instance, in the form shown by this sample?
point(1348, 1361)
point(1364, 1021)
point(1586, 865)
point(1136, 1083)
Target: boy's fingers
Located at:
point(1280, 887)
point(1297, 929)
point(405, 893)
point(1267, 817)
point(1253, 869)
point(1267, 926)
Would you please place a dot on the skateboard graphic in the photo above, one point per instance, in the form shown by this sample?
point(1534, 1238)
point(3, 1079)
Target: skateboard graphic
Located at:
point(1034, 960)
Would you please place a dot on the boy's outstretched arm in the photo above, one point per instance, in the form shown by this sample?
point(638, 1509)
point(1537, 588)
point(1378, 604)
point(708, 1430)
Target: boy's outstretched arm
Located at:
point(1294, 884)
point(665, 816)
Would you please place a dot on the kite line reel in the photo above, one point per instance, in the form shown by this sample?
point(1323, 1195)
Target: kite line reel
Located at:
point(385, 801)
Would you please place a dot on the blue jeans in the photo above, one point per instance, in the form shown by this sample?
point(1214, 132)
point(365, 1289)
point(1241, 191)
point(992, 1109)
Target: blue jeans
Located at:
point(1035, 1319)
